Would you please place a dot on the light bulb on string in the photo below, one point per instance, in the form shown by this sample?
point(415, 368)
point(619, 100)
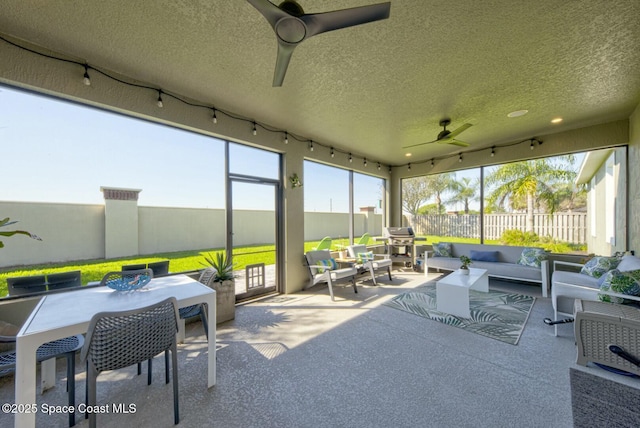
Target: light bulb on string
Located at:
point(86, 79)
point(255, 130)
point(160, 103)
point(531, 144)
point(286, 138)
point(379, 166)
point(432, 163)
point(365, 162)
point(493, 151)
point(350, 158)
point(460, 158)
point(408, 167)
point(311, 145)
point(214, 118)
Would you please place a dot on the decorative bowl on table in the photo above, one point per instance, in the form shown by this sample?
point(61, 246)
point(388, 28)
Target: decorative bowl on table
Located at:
point(127, 280)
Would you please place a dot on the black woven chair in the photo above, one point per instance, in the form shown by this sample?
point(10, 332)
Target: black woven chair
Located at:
point(134, 267)
point(121, 339)
point(57, 281)
point(66, 347)
point(26, 284)
point(159, 268)
point(206, 277)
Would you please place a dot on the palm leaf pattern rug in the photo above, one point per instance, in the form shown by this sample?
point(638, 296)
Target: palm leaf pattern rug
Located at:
point(498, 315)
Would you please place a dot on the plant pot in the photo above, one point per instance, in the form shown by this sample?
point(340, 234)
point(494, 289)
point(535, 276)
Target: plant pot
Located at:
point(225, 300)
point(464, 271)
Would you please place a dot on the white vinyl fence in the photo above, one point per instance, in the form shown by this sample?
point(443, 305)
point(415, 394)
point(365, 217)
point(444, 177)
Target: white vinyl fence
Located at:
point(566, 227)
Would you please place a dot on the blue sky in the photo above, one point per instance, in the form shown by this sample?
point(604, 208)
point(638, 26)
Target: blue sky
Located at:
point(57, 151)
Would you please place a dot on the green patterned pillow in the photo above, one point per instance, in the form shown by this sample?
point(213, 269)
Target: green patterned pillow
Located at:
point(365, 257)
point(330, 264)
point(532, 257)
point(620, 282)
point(442, 249)
point(598, 266)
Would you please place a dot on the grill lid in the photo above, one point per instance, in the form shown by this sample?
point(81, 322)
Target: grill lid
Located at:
point(398, 232)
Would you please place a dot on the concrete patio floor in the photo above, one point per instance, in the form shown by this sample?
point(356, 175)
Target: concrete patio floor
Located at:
point(302, 360)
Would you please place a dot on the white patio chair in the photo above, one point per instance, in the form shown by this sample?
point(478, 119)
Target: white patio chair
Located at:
point(321, 269)
point(369, 261)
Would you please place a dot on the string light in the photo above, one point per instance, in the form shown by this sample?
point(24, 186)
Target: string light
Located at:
point(311, 145)
point(432, 163)
point(493, 151)
point(408, 167)
point(460, 158)
point(531, 144)
point(86, 79)
point(160, 103)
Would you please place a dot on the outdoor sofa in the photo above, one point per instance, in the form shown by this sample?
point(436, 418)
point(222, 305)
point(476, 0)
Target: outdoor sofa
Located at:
point(526, 264)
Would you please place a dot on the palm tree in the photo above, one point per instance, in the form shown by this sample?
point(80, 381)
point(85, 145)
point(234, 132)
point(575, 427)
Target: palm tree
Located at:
point(533, 181)
point(465, 191)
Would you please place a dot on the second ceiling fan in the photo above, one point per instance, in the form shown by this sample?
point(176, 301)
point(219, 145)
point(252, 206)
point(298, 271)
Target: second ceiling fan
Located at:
point(447, 137)
point(292, 26)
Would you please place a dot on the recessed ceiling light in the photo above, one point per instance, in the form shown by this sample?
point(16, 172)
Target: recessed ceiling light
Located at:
point(518, 113)
point(407, 154)
point(556, 120)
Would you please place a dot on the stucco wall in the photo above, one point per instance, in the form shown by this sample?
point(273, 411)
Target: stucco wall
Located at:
point(68, 232)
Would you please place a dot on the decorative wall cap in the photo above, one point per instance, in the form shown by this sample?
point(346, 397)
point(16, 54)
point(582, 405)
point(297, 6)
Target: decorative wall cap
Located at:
point(120, 194)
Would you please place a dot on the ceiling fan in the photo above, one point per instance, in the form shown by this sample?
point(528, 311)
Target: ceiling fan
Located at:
point(447, 137)
point(292, 26)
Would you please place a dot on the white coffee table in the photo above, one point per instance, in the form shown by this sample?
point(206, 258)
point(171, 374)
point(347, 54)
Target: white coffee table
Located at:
point(452, 291)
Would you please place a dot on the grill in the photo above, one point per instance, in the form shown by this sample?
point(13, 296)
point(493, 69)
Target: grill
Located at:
point(399, 235)
point(400, 244)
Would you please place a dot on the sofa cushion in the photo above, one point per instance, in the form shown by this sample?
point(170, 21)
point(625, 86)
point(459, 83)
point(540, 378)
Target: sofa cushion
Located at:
point(442, 249)
point(598, 266)
point(620, 282)
point(484, 256)
point(574, 278)
point(532, 257)
point(628, 263)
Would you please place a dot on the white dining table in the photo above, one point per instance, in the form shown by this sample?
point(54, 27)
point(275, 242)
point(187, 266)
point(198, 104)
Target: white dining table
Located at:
point(66, 314)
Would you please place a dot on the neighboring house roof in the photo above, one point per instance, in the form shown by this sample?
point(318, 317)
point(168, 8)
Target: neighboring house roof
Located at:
point(591, 164)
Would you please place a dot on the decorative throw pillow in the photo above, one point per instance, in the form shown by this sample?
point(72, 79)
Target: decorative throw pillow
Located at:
point(442, 249)
point(598, 266)
point(329, 264)
point(365, 257)
point(620, 282)
point(628, 262)
point(532, 257)
point(484, 256)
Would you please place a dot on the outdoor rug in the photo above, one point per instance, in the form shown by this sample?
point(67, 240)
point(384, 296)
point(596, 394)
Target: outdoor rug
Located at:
point(498, 315)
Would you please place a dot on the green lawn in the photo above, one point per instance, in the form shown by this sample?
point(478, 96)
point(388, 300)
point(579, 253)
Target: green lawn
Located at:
point(181, 261)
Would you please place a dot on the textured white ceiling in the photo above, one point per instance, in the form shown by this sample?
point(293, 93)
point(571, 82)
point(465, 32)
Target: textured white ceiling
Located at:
point(374, 88)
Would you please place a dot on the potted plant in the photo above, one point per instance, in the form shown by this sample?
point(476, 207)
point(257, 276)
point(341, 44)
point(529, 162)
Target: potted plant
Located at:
point(466, 261)
point(222, 280)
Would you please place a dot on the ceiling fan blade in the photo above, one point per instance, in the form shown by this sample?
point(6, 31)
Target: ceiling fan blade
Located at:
point(458, 131)
point(285, 50)
point(328, 21)
point(270, 11)
point(458, 143)
point(419, 144)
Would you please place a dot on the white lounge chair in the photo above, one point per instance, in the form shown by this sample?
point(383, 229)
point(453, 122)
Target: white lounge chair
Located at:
point(369, 261)
point(321, 269)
